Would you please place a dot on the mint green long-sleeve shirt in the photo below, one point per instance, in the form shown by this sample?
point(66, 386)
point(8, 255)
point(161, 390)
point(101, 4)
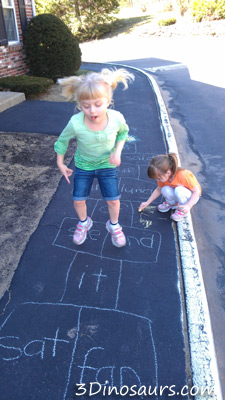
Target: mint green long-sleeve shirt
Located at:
point(93, 147)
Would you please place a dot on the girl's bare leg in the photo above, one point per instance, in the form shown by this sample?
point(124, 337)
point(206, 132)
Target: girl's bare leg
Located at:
point(114, 210)
point(81, 209)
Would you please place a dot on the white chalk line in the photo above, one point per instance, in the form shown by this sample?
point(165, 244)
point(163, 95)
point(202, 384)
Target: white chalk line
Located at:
point(169, 67)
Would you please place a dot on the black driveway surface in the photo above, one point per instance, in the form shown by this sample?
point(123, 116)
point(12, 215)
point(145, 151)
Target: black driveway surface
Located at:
point(33, 116)
point(96, 313)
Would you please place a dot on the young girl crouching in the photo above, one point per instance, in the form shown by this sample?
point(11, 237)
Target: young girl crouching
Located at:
point(178, 186)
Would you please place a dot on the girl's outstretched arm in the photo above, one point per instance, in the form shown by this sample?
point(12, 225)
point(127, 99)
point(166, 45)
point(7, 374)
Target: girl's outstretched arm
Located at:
point(66, 172)
point(156, 193)
point(115, 157)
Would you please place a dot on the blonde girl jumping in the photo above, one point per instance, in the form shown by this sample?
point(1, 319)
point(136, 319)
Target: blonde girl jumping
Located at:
point(100, 135)
point(178, 186)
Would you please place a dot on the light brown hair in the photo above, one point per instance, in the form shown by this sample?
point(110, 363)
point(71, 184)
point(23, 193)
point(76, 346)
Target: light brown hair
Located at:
point(161, 163)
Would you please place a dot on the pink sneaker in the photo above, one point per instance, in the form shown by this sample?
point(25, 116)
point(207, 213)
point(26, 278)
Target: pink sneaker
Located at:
point(118, 237)
point(164, 207)
point(80, 233)
point(178, 215)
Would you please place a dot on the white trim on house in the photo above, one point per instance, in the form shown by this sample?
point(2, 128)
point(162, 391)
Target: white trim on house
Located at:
point(33, 8)
point(12, 7)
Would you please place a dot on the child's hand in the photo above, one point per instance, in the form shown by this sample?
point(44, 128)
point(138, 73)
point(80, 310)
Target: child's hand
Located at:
point(142, 206)
point(115, 158)
point(66, 172)
point(184, 208)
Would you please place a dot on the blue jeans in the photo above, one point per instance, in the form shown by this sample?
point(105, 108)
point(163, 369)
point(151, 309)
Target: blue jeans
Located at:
point(107, 179)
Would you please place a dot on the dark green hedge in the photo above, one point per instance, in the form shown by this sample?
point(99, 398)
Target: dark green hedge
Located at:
point(29, 85)
point(167, 22)
point(52, 50)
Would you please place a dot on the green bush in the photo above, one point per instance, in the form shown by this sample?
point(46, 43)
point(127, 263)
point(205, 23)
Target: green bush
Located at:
point(167, 22)
point(52, 50)
point(96, 21)
point(86, 19)
point(29, 85)
point(204, 9)
point(220, 9)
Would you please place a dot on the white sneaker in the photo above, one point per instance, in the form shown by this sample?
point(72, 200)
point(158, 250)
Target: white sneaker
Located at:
point(118, 237)
point(80, 233)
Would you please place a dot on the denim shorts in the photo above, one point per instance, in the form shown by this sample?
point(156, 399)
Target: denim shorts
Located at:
point(107, 180)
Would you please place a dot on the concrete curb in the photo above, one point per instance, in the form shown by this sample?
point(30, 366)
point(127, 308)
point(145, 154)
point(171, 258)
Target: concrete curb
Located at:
point(203, 357)
point(10, 99)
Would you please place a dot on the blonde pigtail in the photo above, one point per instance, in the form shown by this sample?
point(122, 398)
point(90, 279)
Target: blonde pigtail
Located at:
point(113, 77)
point(70, 86)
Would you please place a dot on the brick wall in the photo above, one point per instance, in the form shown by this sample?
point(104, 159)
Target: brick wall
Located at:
point(12, 57)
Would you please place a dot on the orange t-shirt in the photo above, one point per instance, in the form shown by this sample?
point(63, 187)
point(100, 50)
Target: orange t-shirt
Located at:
point(183, 178)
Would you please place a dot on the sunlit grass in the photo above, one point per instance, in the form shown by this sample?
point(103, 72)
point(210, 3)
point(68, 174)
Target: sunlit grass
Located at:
point(127, 25)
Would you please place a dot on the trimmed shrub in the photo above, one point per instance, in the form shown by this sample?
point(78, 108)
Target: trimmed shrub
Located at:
point(52, 50)
point(202, 9)
point(167, 22)
point(29, 85)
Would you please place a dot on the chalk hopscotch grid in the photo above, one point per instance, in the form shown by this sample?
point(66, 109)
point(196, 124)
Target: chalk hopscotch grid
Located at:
point(147, 320)
point(120, 273)
point(143, 157)
point(67, 279)
point(54, 243)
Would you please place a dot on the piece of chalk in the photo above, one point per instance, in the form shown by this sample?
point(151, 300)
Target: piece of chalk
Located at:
point(139, 209)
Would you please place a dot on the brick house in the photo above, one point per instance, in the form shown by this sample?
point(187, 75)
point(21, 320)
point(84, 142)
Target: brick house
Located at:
point(14, 16)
